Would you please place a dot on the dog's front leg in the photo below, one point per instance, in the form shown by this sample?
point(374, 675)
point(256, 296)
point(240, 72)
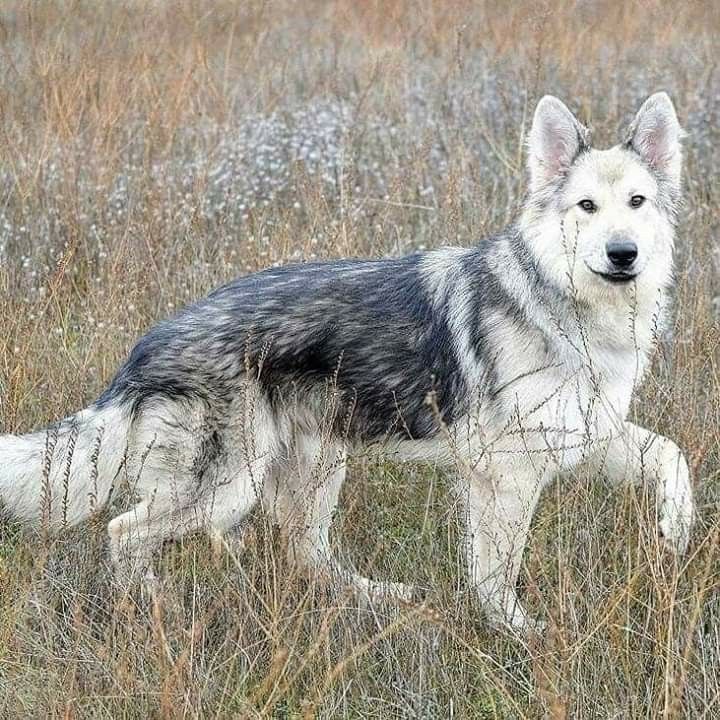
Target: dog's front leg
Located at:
point(498, 509)
point(639, 455)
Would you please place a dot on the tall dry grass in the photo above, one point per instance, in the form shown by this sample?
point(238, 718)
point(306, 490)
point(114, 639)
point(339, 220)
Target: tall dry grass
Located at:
point(150, 151)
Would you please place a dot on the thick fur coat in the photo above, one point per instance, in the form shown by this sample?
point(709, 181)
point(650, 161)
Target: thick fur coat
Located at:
point(511, 360)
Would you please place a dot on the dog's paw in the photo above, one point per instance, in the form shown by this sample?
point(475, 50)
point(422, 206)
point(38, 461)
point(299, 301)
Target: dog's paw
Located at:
point(371, 591)
point(515, 619)
point(677, 508)
point(676, 523)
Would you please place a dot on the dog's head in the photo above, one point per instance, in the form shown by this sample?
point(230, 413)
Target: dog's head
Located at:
point(611, 211)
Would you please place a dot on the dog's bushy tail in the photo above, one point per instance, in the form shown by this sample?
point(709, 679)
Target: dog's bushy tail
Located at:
point(60, 475)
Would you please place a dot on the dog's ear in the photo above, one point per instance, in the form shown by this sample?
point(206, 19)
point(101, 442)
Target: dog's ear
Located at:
point(556, 139)
point(655, 135)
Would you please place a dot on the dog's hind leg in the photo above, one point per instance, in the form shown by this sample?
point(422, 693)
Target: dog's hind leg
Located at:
point(232, 498)
point(161, 456)
point(304, 502)
point(238, 483)
point(189, 474)
point(137, 533)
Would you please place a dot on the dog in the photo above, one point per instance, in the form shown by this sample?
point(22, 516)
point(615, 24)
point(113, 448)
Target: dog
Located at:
point(511, 361)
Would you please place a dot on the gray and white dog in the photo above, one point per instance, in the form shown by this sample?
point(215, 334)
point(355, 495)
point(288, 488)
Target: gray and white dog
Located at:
point(511, 361)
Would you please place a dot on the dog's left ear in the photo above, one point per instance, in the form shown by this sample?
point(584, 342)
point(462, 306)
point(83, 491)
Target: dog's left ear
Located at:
point(655, 135)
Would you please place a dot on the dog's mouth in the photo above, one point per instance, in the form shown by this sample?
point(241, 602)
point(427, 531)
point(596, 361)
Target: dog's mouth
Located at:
point(617, 278)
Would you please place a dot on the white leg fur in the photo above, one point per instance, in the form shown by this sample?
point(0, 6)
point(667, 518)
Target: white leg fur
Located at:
point(174, 500)
point(499, 508)
point(134, 536)
point(640, 455)
point(304, 501)
point(233, 497)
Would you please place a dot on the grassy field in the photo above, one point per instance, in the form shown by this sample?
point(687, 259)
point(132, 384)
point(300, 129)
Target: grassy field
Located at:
point(151, 150)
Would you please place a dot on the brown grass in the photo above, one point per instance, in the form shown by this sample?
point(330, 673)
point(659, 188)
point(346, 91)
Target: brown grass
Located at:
point(151, 150)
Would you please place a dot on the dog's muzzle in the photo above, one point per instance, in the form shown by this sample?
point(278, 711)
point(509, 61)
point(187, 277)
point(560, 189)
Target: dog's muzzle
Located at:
point(621, 253)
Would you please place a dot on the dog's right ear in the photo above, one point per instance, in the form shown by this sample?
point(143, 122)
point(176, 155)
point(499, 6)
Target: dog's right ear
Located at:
point(556, 139)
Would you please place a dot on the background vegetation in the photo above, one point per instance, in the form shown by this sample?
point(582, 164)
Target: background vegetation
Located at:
point(150, 151)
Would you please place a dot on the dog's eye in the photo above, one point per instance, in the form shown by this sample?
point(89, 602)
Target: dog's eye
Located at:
point(588, 206)
point(636, 201)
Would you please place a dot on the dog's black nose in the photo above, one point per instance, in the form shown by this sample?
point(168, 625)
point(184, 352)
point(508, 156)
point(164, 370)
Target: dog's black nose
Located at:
point(622, 253)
